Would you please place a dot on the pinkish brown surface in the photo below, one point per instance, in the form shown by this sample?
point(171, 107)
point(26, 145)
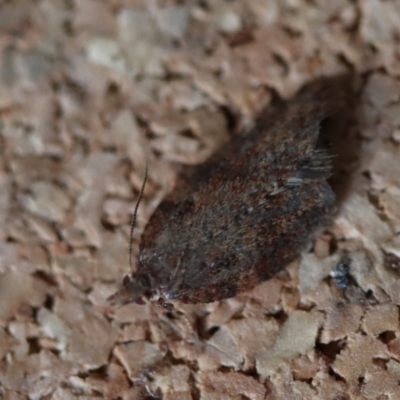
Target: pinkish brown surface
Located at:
point(89, 92)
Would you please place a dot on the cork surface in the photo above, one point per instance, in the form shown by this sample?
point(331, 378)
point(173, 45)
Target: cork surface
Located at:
point(91, 91)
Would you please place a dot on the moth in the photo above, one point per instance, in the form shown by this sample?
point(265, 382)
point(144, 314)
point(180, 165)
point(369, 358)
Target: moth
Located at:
point(243, 215)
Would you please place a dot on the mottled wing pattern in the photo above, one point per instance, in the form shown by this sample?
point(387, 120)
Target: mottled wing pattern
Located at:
point(249, 210)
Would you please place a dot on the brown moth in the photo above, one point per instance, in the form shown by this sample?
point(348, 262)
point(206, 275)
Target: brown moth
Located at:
point(244, 214)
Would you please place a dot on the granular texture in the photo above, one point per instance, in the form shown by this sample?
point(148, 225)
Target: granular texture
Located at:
point(91, 91)
point(244, 214)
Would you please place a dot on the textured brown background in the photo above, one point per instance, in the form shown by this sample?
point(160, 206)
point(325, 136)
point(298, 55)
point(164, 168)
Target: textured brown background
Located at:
point(92, 90)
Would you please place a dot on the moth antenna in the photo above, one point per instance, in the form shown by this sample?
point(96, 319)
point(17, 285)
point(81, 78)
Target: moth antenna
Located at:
point(134, 215)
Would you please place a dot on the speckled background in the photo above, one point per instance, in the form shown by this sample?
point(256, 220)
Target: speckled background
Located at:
point(92, 90)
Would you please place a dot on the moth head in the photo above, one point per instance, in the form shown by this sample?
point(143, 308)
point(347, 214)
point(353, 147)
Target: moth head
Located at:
point(135, 288)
